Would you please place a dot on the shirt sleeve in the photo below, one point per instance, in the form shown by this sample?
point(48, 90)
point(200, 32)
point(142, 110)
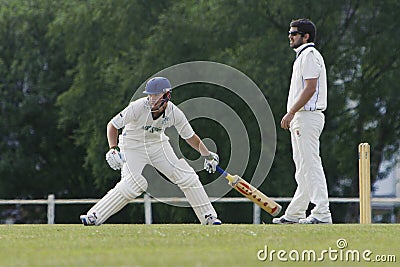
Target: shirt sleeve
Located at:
point(182, 125)
point(311, 67)
point(124, 117)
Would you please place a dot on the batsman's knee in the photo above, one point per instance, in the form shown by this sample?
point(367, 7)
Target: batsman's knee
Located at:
point(131, 186)
point(184, 175)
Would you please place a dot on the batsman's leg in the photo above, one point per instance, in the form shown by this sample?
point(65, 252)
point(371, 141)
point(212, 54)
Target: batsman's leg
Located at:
point(181, 174)
point(130, 187)
point(188, 181)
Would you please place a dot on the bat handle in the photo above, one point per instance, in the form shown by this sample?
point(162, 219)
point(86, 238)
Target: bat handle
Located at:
point(232, 180)
point(221, 171)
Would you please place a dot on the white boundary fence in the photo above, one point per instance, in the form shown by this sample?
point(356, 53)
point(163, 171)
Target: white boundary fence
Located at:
point(51, 201)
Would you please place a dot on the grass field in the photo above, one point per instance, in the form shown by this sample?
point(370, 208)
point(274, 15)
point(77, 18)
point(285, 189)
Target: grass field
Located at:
point(196, 245)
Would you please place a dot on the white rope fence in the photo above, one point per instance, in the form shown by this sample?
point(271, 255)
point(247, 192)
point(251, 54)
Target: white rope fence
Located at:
point(51, 201)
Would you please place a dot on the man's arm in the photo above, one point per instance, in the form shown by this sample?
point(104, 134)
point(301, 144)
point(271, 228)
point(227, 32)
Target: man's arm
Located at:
point(198, 145)
point(211, 159)
point(114, 158)
point(112, 135)
point(306, 94)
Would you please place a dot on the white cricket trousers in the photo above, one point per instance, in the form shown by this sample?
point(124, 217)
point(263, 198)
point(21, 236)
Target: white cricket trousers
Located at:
point(306, 129)
point(163, 158)
point(132, 184)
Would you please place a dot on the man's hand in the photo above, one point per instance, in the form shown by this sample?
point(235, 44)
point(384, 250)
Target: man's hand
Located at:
point(286, 120)
point(211, 161)
point(115, 158)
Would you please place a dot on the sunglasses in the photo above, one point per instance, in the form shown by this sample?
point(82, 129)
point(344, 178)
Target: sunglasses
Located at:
point(294, 33)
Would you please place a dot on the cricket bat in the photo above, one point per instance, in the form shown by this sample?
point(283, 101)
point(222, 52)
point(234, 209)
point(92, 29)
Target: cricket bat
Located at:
point(252, 193)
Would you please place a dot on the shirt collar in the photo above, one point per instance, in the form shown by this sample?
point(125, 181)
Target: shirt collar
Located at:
point(298, 49)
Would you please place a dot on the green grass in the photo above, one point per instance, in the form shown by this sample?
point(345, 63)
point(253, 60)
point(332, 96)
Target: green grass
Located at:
point(187, 245)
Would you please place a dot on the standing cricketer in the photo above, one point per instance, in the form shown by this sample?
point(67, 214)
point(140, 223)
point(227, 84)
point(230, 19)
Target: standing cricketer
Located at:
point(305, 120)
point(142, 142)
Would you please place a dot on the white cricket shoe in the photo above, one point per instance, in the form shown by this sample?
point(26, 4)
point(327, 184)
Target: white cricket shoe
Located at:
point(283, 220)
point(313, 220)
point(88, 220)
point(212, 220)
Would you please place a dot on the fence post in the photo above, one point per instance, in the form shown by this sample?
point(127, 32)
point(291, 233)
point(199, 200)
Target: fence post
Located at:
point(256, 214)
point(50, 209)
point(147, 209)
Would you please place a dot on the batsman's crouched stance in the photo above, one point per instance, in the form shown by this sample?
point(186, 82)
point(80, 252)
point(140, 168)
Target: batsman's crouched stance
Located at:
point(143, 142)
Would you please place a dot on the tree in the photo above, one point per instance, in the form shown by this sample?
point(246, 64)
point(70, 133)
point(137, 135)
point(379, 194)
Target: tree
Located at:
point(106, 49)
point(33, 75)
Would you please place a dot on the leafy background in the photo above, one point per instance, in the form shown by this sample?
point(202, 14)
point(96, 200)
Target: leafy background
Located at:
point(66, 67)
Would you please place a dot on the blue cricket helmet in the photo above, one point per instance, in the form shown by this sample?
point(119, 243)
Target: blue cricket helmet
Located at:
point(157, 85)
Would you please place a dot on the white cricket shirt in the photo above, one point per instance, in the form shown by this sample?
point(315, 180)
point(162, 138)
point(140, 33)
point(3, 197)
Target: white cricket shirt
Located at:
point(140, 128)
point(308, 64)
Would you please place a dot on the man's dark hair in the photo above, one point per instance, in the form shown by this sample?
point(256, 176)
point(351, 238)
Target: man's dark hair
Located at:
point(305, 26)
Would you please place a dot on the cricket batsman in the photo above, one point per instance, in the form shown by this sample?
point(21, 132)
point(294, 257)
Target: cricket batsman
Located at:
point(142, 142)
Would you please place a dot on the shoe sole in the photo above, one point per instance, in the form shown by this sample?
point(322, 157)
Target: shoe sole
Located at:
point(284, 222)
point(315, 222)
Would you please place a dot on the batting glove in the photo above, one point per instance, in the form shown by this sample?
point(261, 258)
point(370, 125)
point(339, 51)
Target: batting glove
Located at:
point(211, 161)
point(115, 158)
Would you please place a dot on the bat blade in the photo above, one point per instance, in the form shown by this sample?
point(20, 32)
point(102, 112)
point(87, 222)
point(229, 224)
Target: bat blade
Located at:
point(252, 193)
